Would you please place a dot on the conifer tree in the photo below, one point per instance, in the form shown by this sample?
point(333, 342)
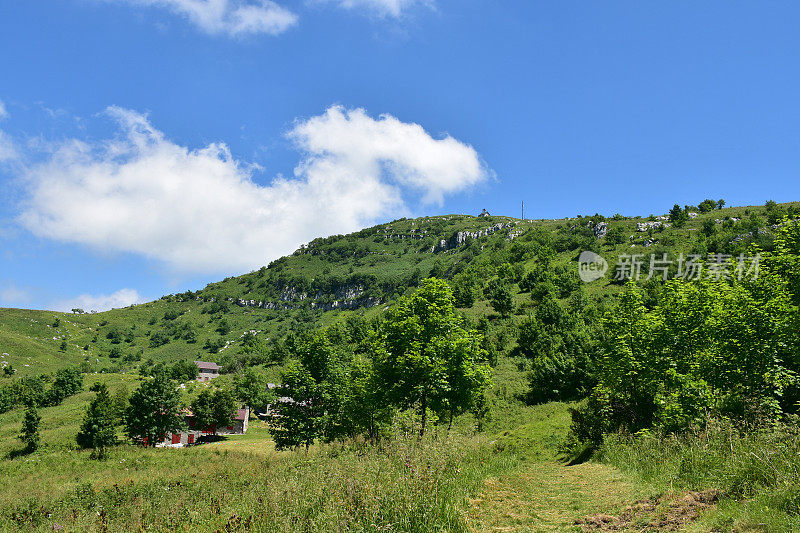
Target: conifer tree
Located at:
point(98, 430)
point(30, 429)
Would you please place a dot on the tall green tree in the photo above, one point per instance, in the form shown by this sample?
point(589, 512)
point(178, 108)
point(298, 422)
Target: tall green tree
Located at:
point(213, 409)
point(362, 409)
point(67, 382)
point(250, 388)
point(707, 205)
point(558, 344)
point(298, 416)
point(30, 429)
point(316, 386)
point(184, 371)
point(678, 216)
point(464, 290)
point(500, 296)
point(426, 358)
point(98, 430)
point(153, 410)
point(328, 392)
point(726, 347)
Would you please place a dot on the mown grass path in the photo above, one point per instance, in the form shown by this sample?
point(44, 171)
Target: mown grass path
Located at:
point(542, 493)
point(548, 496)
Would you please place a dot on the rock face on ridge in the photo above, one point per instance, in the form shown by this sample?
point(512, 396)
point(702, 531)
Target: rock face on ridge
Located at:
point(345, 297)
point(462, 237)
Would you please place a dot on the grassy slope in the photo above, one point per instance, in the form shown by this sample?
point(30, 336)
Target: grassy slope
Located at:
point(60, 424)
point(239, 482)
point(539, 494)
point(463, 482)
point(509, 476)
point(29, 340)
point(756, 472)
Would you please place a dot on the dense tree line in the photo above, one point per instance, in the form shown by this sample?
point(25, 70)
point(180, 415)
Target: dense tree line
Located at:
point(41, 391)
point(725, 347)
point(420, 356)
point(659, 354)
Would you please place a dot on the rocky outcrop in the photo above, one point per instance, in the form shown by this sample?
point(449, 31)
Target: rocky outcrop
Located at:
point(290, 294)
point(369, 301)
point(344, 297)
point(462, 237)
point(600, 229)
point(645, 226)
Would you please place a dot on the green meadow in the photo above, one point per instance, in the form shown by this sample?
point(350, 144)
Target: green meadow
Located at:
point(563, 438)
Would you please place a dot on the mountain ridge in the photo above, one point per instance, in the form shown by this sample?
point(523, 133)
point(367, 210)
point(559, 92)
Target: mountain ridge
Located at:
point(330, 278)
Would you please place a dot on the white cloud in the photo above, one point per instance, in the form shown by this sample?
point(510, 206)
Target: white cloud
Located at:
point(230, 17)
point(8, 149)
point(351, 143)
point(13, 295)
point(392, 8)
point(103, 302)
point(200, 211)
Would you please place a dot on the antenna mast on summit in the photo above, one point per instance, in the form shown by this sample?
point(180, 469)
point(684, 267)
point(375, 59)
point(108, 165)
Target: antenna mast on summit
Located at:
point(523, 211)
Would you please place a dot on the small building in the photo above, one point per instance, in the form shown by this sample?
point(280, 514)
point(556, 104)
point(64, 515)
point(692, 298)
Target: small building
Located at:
point(208, 370)
point(193, 434)
point(484, 213)
point(269, 410)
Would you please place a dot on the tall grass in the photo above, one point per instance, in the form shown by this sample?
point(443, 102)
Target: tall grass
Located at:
point(404, 485)
point(757, 470)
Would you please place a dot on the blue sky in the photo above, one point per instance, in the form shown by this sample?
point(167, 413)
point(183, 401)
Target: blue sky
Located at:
point(152, 146)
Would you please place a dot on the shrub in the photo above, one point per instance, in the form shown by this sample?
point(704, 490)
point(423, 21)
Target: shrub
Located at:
point(754, 464)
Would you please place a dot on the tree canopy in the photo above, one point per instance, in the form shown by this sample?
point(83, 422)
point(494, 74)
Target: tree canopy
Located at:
point(153, 410)
point(98, 430)
point(427, 358)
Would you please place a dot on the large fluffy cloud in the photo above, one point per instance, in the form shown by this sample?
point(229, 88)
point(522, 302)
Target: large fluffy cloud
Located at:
point(356, 145)
point(199, 209)
point(231, 17)
point(103, 302)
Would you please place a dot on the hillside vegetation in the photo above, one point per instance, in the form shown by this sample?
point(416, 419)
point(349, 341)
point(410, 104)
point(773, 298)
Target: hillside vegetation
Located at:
point(477, 329)
point(330, 278)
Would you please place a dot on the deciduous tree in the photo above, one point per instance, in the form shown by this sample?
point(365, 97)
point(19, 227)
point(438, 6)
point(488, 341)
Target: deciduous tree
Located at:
point(153, 410)
point(213, 409)
point(426, 358)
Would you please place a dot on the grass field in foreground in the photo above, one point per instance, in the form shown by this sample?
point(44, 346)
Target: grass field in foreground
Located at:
point(504, 480)
point(242, 483)
point(403, 485)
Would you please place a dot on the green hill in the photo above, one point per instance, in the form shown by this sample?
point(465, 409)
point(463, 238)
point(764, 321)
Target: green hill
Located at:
point(514, 281)
point(331, 278)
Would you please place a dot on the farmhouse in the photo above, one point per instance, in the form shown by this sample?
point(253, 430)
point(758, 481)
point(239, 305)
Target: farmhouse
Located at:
point(192, 434)
point(269, 411)
point(208, 370)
